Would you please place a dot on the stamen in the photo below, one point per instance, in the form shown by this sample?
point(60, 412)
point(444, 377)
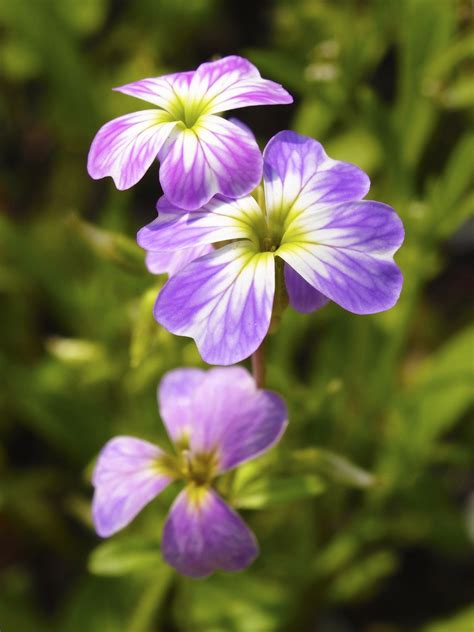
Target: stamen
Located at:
point(198, 468)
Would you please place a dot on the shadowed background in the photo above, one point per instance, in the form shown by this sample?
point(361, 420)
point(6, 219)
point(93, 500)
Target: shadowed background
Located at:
point(365, 512)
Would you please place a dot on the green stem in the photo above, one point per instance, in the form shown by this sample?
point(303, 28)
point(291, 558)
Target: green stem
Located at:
point(150, 601)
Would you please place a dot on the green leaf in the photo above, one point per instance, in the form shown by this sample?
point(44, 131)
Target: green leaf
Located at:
point(144, 328)
point(443, 387)
point(313, 117)
point(128, 554)
point(460, 49)
point(333, 466)
point(265, 492)
point(459, 95)
point(85, 16)
point(74, 351)
point(426, 33)
point(109, 245)
point(150, 600)
point(234, 603)
point(462, 621)
point(440, 392)
point(280, 66)
point(456, 179)
point(452, 221)
point(358, 579)
point(99, 604)
point(358, 146)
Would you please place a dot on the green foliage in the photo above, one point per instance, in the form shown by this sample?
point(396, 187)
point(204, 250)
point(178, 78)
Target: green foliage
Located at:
point(125, 555)
point(269, 491)
point(376, 460)
point(461, 621)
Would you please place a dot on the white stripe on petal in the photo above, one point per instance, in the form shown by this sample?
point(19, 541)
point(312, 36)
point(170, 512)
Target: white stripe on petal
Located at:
point(298, 174)
point(214, 157)
point(169, 92)
point(219, 220)
point(233, 82)
point(345, 251)
point(223, 300)
point(125, 147)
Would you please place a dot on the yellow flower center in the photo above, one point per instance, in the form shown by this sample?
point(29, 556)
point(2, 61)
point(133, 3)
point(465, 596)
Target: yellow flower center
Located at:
point(199, 468)
point(268, 231)
point(187, 112)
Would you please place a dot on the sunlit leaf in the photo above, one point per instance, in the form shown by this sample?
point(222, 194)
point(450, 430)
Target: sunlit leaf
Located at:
point(266, 492)
point(74, 351)
point(461, 621)
point(459, 95)
point(111, 246)
point(145, 327)
point(362, 576)
point(125, 554)
point(333, 466)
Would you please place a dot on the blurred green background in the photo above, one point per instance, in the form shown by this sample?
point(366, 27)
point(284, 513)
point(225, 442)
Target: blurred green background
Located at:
point(365, 512)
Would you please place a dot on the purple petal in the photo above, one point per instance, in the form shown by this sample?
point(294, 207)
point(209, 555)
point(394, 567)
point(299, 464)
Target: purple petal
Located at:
point(303, 297)
point(234, 419)
point(298, 174)
point(168, 92)
point(233, 82)
point(125, 147)
point(176, 394)
point(220, 219)
point(223, 300)
point(126, 477)
point(215, 156)
point(243, 126)
point(346, 253)
point(172, 262)
point(203, 534)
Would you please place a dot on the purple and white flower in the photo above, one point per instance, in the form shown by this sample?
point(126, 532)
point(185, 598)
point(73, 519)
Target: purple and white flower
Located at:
point(201, 154)
point(311, 215)
point(172, 262)
point(217, 420)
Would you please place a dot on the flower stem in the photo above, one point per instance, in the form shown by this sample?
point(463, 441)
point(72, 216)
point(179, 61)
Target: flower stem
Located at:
point(258, 366)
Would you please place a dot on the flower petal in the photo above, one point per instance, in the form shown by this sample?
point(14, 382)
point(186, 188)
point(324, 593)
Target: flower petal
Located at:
point(168, 92)
point(172, 262)
point(125, 147)
point(346, 253)
point(298, 174)
point(215, 156)
point(176, 394)
point(234, 419)
point(243, 126)
point(126, 477)
point(303, 297)
point(233, 82)
point(223, 300)
point(219, 220)
point(203, 534)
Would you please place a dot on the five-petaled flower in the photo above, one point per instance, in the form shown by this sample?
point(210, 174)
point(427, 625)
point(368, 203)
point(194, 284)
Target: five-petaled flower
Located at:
point(201, 154)
point(309, 215)
point(216, 420)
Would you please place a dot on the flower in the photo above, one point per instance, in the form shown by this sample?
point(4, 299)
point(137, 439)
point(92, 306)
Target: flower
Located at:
point(201, 154)
point(216, 420)
point(310, 235)
point(172, 262)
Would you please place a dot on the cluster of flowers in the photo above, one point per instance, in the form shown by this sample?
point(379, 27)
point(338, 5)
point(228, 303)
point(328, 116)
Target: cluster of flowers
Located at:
point(240, 234)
